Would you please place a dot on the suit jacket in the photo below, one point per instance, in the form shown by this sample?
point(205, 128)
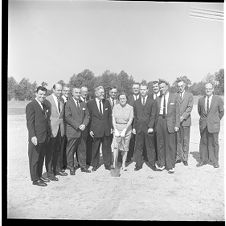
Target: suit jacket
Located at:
point(144, 115)
point(173, 112)
point(100, 124)
point(186, 105)
point(56, 117)
point(117, 101)
point(212, 119)
point(131, 99)
point(75, 116)
point(37, 121)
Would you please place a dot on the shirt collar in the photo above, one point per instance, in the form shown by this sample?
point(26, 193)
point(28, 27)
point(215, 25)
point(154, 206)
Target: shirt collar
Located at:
point(39, 102)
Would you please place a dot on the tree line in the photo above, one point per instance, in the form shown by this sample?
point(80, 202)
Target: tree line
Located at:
point(24, 90)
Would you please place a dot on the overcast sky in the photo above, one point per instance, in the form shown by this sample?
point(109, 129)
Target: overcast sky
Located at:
point(52, 40)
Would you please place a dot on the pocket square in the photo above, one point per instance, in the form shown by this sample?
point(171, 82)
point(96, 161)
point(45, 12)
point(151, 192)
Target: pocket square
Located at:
point(171, 103)
point(106, 109)
point(83, 109)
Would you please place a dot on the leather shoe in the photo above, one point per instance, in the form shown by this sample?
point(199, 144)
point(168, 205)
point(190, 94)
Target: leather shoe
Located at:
point(85, 170)
point(171, 170)
point(200, 164)
point(45, 179)
point(216, 165)
point(94, 168)
point(107, 167)
point(53, 178)
point(39, 183)
point(137, 168)
point(185, 163)
point(61, 173)
point(72, 172)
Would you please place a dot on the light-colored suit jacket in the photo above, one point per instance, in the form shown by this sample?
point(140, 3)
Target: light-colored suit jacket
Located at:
point(186, 105)
point(56, 117)
point(212, 119)
point(173, 112)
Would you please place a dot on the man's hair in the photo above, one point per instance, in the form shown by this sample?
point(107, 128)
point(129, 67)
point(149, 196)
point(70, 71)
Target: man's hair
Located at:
point(98, 88)
point(136, 83)
point(54, 86)
point(163, 81)
point(210, 82)
point(84, 87)
point(144, 84)
point(42, 88)
point(67, 86)
point(155, 82)
point(113, 87)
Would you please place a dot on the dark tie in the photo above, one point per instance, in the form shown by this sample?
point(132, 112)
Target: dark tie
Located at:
point(208, 108)
point(66, 98)
point(58, 102)
point(100, 107)
point(164, 105)
point(78, 104)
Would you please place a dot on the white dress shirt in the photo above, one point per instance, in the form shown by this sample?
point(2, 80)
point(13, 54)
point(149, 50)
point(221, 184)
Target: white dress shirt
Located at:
point(76, 102)
point(39, 103)
point(145, 99)
point(98, 104)
point(162, 100)
point(182, 94)
point(210, 99)
point(136, 97)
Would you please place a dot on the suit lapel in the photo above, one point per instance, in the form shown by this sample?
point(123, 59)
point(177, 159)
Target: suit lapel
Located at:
point(97, 109)
point(54, 104)
point(212, 102)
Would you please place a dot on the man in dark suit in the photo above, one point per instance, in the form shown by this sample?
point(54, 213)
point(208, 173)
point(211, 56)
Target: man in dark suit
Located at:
point(186, 104)
point(38, 134)
point(144, 120)
point(56, 106)
point(113, 97)
point(87, 138)
point(77, 118)
point(131, 99)
point(100, 128)
point(211, 111)
point(167, 124)
point(63, 157)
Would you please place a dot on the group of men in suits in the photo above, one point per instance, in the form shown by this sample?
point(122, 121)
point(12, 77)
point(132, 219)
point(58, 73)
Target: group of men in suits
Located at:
point(68, 131)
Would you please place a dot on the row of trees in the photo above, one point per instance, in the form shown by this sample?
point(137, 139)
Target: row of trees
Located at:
point(24, 90)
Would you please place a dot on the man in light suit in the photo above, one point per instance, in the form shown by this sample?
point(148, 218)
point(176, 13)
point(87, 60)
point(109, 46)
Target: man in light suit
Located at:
point(167, 124)
point(100, 128)
point(211, 111)
point(84, 94)
point(38, 135)
point(56, 106)
point(186, 104)
point(77, 119)
point(145, 110)
point(131, 99)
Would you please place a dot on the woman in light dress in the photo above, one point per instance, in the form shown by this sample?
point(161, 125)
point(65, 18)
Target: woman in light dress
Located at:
point(122, 117)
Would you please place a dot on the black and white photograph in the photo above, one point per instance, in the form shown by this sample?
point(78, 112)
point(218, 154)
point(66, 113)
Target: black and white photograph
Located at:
point(115, 110)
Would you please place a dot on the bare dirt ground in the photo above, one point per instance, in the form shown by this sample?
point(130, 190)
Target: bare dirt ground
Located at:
point(190, 194)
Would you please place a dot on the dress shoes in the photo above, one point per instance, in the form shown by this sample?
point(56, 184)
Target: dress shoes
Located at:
point(171, 171)
point(94, 169)
point(61, 173)
point(178, 160)
point(185, 163)
point(46, 180)
point(159, 167)
point(39, 183)
point(53, 178)
point(216, 165)
point(85, 170)
point(72, 172)
point(137, 168)
point(200, 164)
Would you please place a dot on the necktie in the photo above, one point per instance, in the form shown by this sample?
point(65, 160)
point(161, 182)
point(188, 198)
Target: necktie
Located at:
point(58, 102)
point(66, 98)
point(208, 108)
point(113, 102)
point(100, 107)
point(78, 104)
point(42, 106)
point(164, 106)
point(143, 100)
